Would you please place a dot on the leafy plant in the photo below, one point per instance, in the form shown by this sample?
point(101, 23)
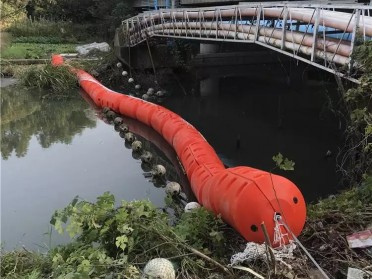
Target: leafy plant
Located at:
point(114, 239)
point(283, 163)
point(356, 159)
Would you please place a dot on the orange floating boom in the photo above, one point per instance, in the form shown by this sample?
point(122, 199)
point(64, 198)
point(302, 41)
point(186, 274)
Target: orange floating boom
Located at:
point(243, 196)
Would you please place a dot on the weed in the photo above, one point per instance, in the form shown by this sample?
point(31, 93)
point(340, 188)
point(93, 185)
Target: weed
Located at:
point(43, 40)
point(331, 220)
point(24, 264)
point(130, 235)
point(56, 79)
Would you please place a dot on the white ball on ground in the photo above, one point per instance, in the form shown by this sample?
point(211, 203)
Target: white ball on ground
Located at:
point(137, 86)
point(159, 268)
point(145, 96)
point(130, 80)
point(191, 206)
point(119, 64)
point(173, 188)
point(124, 73)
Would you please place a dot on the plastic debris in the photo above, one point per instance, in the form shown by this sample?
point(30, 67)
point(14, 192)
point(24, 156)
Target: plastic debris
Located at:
point(86, 49)
point(254, 251)
point(361, 239)
point(354, 273)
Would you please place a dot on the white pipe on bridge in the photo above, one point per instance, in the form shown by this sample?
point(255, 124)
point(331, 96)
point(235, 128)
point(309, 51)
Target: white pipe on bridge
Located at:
point(330, 45)
point(338, 20)
point(160, 30)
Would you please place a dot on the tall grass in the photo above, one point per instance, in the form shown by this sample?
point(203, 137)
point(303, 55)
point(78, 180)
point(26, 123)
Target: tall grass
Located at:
point(65, 31)
point(58, 80)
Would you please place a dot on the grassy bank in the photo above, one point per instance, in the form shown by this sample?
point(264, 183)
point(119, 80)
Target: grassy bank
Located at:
point(118, 241)
point(35, 50)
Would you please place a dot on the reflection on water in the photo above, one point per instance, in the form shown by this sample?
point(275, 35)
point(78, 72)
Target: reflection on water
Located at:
point(24, 115)
point(54, 150)
point(248, 121)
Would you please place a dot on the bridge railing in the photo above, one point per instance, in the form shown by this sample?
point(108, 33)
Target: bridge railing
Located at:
point(323, 36)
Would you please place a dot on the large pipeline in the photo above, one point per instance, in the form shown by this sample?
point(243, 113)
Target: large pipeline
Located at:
point(293, 42)
point(244, 197)
point(338, 20)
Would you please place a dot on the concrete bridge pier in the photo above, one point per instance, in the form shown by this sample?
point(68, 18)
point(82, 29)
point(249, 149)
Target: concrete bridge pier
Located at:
point(209, 87)
point(206, 48)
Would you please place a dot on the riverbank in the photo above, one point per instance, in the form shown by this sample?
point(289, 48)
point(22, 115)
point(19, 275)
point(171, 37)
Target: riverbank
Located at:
point(329, 222)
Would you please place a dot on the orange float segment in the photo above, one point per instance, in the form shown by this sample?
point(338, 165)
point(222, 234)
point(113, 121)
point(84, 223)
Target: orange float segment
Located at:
point(243, 196)
point(199, 179)
point(57, 60)
point(246, 197)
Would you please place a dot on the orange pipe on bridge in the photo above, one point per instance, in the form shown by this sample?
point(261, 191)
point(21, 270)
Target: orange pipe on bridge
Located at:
point(243, 196)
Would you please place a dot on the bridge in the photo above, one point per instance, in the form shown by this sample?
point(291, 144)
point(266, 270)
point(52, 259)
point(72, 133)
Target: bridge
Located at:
point(324, 36)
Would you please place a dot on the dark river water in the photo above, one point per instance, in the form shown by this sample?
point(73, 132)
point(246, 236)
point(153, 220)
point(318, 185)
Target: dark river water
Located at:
point(53, 150)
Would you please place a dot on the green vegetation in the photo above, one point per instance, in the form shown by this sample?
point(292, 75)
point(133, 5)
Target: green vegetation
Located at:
point(356, 159)
point(118, 241)
point(12, 11)
point(70, 20)
point(55, 79)
point(49, 31)
point(331, 220)
point(35, 51)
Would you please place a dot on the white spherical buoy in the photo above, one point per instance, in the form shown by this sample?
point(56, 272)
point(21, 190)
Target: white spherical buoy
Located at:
point(150, 91)
point(145, 96)
point(130, 80)
point(129, 137)
point(137, 86)
point(146, 157)
point(123, 128)
point(124, 73)
point(118, 120)
point(173, 188)
point(191, 206)
point(136, 145)
point(119, 64)
point(159, 268)
point(159, 93)
point(158, 170)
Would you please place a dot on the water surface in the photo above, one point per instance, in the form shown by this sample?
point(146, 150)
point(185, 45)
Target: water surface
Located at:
point(55, 149)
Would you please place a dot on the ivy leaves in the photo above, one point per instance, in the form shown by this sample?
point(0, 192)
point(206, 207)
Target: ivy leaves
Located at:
point(283, 163)
point(109, 239)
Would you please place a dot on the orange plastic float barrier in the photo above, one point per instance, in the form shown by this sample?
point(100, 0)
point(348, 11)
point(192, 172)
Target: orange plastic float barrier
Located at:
point(244, 197)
